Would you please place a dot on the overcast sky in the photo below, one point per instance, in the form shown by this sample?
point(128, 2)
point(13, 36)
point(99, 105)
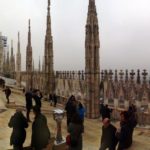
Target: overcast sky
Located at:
point(124, 31)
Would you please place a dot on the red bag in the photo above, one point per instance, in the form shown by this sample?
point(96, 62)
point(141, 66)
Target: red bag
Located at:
point(68, 139)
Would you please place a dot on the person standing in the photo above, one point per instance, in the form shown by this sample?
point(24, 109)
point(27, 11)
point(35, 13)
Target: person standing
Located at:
point(37, 97)
point(70, 108)
point(40, 131)
point(124, 134)
point(108, 139)
point(18, 122)
point(75, 129)
point(51, 99)
point(7, 93)
point(55, 99)
point(28, 96)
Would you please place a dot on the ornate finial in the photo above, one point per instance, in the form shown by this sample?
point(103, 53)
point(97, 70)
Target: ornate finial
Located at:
point(110, 74)
point(29, 25)
point(132, 73)
point(102, 75)
point(48, 8)
point(121, 73)
point(29, 34)
point(116, 76)
point(126, 76)
point(138, 77)
point(18, 36)
point(144, 75)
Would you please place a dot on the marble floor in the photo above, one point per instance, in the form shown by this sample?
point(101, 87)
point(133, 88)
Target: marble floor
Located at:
point(91, 137)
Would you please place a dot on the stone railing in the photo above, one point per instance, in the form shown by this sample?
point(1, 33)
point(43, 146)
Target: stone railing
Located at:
point(76, 75)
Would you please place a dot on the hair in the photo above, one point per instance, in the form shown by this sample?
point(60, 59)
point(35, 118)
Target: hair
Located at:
point(125, 114)
point(80, 105)
point(36, 109)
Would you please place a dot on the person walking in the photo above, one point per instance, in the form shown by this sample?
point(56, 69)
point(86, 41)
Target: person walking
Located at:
point(28, 96)
point(7, 93)
point(40, 131)
point(55, 99)
point(18, 122)
point(108, 139)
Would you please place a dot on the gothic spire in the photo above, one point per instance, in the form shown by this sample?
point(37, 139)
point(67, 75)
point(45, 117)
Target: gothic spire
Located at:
point(18, 56)
point(29, 34)
point(39, 64)
point(92, 7)
point(18, 42)
point(48, 56)
point(29, 60)
point(92, 65)
point(11, 48)
point(48, 30)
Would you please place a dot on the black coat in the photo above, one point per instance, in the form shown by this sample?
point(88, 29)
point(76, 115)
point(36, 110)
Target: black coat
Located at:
point(75, 131)
point(28, 96)
point(18, 122)
point(40, 132)
point(109, 137)
point(125, 136)
point(37, 99)
point(106, 112)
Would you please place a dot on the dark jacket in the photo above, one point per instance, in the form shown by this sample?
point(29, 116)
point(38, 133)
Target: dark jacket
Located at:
point(18, 122)
point(28, 96)
point(106, 112)
point(70, 108)
point(37, 99)
point(75, 131)
point(108, 138)
point(7, 92)
point(40, 132)
point(125, 136)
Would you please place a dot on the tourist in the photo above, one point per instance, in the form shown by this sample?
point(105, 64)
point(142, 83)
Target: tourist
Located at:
point(28, 96)
point(55, 99)
point(108, 139)
point(7, 93)
point(132, 117)
point(70, 108)
point(51, 99)
point(37, 95)
point(40, 130)
point(75, 130)
point(124, 133)
point(18, 122)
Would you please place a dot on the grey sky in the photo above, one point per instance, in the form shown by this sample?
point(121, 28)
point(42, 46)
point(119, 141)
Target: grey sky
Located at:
point(124, 31)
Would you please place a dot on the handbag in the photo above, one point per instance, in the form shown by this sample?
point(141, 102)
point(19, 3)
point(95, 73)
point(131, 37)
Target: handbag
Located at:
point(68, 139)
